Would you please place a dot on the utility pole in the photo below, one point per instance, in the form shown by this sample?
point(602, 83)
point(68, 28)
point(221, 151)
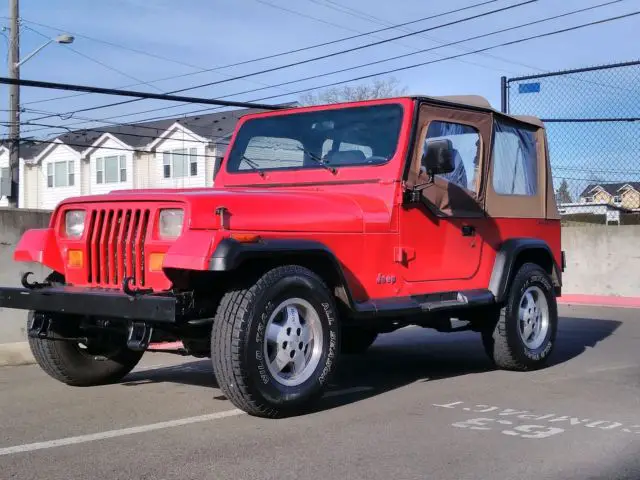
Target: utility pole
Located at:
point(14, 101)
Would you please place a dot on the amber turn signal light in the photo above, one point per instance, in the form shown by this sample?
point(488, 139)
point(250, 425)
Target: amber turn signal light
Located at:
point(245, 237)
point(75, 258)
point(155, 262)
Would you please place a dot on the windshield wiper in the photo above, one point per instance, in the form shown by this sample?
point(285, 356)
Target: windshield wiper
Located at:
point(318, 160)
point(254, 166)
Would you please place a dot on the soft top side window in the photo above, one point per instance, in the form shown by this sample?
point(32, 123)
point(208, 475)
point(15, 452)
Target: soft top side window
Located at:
point(515, 162)
point(465, 140)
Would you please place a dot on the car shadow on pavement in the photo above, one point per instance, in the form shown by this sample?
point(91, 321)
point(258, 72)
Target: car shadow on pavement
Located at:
point(576, 335)
point(398, 359)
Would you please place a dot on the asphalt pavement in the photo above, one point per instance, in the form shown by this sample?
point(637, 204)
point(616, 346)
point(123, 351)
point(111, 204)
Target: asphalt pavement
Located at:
point(417, 405)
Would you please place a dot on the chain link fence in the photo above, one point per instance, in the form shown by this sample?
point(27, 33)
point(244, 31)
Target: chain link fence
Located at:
point(592, 117)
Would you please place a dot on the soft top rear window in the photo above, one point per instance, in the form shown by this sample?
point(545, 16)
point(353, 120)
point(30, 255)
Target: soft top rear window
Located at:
point(351, 136)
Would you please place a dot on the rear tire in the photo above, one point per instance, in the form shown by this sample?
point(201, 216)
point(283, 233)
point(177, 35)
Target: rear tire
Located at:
point(68, 363)
point(275, 343)
point(523, 335)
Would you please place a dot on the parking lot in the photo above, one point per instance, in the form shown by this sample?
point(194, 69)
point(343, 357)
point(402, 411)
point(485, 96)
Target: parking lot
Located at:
point(417, 405)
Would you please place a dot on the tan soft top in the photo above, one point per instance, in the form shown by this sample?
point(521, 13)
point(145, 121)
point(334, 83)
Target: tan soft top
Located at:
point(479, 102)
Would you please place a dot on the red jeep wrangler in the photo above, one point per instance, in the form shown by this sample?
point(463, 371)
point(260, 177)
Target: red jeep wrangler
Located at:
point(328, 225)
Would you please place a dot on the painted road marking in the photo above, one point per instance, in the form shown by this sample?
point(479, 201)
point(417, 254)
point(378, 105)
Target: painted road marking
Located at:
point(121, 432)
point(61, 442)
point(529, 430)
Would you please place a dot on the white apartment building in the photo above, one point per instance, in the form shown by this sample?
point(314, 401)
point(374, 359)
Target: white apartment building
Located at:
point(172, 153)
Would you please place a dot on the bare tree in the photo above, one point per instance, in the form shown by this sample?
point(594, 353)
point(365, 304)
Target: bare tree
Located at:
point(562, 194)
point(378, 88)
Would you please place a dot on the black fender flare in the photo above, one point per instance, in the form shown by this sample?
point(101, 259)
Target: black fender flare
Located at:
point(230, 254)
point(506, 260)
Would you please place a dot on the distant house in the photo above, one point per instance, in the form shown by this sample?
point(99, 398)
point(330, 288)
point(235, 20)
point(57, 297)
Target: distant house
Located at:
point(5, 175)
point(171, 153)
point(6, 187)
point(609, 200)
point(625, 195)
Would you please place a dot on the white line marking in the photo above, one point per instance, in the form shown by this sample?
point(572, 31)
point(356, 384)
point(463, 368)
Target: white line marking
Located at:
point(347, 391)
point(30, 447)
point(61, 442)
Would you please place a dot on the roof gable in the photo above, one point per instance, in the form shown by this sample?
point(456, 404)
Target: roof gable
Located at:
point(101, 141)
point(631, 186)
point(612, 188)
point(51, 147)
point(138, 136)
point(179, 128)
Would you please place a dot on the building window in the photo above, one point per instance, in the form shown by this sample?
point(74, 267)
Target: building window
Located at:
point(5, 182)
point(617, 199)
point(180, 163)
point(111, 169)
point(515, 162)
point(60, 174)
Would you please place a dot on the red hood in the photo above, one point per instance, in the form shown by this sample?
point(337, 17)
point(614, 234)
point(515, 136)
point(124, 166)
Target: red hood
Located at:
point(266, 209)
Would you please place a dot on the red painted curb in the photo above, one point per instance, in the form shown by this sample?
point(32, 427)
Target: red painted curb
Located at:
point(600, 300)
point(166, 346)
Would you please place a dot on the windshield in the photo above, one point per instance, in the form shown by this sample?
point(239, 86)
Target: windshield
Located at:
point(321, 139)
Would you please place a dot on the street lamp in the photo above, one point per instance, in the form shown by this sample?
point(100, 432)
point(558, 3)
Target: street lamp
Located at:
point(64, 39)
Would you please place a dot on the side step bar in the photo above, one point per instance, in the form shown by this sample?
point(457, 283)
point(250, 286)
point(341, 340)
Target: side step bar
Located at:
point(469, 298)
point(418, 304)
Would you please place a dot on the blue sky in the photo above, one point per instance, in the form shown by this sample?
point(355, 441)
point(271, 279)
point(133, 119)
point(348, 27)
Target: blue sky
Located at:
point(206, 33)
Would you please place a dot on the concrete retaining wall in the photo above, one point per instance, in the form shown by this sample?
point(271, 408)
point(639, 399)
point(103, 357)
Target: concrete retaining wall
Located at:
point(13, 223)
point(601, 260)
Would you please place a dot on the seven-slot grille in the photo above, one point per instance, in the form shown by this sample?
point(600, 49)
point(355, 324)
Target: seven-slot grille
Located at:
point(115, 247)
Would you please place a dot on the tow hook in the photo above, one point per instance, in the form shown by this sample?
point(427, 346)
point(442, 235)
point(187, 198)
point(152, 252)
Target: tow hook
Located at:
point(133, 292)
point(139, 336)
point(32, 285)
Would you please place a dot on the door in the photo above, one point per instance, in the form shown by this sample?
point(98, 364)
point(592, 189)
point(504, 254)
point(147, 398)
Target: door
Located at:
point(443, 236)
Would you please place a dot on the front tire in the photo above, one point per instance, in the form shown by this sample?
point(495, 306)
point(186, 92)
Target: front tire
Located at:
point(524, 333)
point(69, 363)
point(275, 343)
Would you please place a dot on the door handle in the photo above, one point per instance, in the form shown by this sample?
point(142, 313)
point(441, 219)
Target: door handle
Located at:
point(468, 230)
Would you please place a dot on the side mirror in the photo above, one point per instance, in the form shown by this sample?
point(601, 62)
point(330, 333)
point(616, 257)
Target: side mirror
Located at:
point(438, 157)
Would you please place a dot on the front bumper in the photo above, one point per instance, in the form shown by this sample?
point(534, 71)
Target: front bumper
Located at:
point(92, 302)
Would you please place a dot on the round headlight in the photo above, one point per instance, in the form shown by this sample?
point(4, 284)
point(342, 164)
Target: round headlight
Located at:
point(74, 223)
point(171, 221)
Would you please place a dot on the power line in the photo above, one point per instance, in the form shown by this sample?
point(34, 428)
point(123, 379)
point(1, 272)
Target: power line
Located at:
point(131, 93)
point(96, 61)
point(112, 132)
point(504, 44)
point(116, 45)
point(371, 19)
point(287, 52)
point(139, 82)
point(379, 21)
point(455, 43)
point(554, 17)
point(322, 57)
point(409, 67)
point(119, 149)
